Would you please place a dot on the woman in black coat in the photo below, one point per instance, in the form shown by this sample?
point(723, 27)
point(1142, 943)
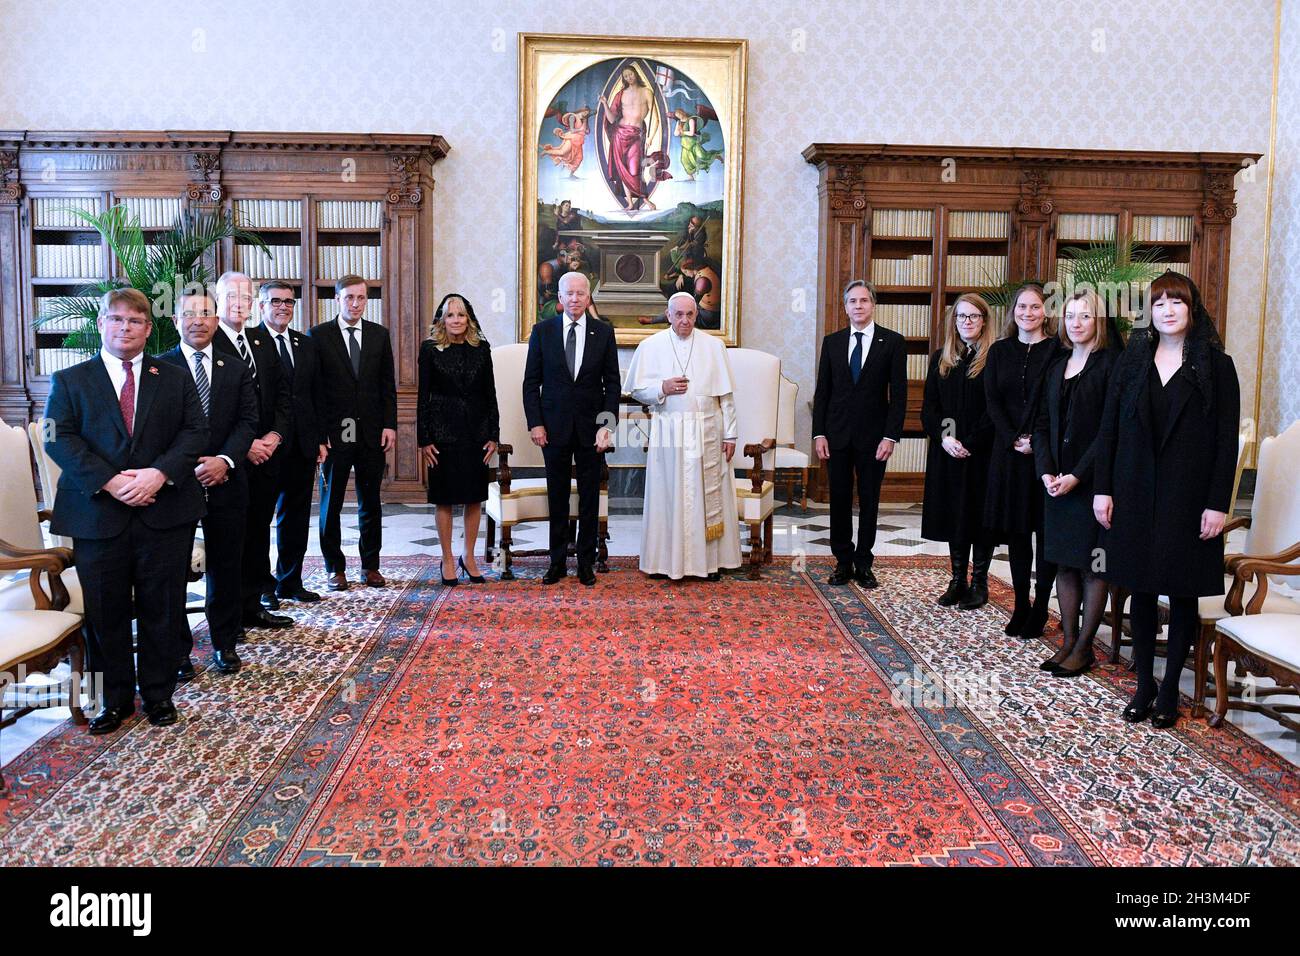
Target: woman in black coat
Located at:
point(457, 425)
point(1013, 507)
point(1069, 418)
point(1165, 462)
point(957, 466)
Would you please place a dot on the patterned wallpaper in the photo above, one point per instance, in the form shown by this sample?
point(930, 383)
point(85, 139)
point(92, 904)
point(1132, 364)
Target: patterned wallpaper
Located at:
point(1280, 395)
point(1189, 75)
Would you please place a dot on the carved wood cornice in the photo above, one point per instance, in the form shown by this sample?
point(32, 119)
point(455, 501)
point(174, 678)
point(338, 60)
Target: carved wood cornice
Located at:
point(11, 190)
point(1219, 192)
point(1033, 195)
point(431, 147)
point(830, 154)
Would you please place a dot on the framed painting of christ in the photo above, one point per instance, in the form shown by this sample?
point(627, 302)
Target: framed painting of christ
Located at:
point(631, 153)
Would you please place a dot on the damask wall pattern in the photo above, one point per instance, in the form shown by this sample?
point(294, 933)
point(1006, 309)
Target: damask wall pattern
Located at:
point(1280, 396)
point(1189, 75)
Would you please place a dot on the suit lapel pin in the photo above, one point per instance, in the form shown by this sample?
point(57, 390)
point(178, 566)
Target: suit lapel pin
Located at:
point(221, 363)
point(153, 369)
point(257, 341)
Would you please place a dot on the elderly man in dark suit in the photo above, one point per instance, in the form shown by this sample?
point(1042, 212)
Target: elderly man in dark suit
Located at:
point(253, 349)
point(226, 391)
point(858, 410)
point(299, 456)
point(360, 401)
point(127, 433)
point(571, 394)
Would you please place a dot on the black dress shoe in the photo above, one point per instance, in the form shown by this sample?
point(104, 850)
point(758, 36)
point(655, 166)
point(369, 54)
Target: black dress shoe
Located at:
point(554, 573)
point(1074, 671)
point(185, 672)
point(587, 575)
point(302, 595)
point(1138, 709)
point(109, 719)
point(842, 574)
point(227, 662)
point(1163, 720)
point(866, 578)
point(715, 576)
point(264, 618)
point(270, 602)
point(162, 714)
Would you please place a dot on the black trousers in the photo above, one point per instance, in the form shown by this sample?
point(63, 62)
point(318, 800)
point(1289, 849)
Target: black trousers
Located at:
point(560, 459)
point(369, 466)
point(152, 565)
point(224, 528)
point(263, 489)
point(843, 467)
point(292, 517)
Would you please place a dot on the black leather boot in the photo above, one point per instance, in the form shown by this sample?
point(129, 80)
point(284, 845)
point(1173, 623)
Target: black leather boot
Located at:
point(977, 595)
point(957, 585)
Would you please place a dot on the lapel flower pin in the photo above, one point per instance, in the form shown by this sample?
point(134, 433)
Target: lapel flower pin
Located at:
point(153, 369)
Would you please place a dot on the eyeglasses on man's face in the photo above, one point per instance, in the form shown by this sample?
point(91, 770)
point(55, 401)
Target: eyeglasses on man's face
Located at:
point(281, 303)
point(125, 321)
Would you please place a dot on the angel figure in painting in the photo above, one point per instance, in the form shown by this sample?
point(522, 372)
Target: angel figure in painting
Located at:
point(572, 133)
point(690, 130)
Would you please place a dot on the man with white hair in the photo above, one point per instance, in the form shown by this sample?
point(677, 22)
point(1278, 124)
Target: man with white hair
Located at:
point(689, 524)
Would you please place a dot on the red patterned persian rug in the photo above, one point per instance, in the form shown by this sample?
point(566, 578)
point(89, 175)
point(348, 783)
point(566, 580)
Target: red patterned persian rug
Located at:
point(778, 722)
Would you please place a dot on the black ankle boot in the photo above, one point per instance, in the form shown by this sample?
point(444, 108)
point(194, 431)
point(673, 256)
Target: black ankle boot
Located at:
point(1035, 621)
point(977, 595)
point(955, 594)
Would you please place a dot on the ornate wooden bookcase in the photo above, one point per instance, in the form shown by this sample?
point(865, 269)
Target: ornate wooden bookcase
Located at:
point(927, 223)
point(330, 203)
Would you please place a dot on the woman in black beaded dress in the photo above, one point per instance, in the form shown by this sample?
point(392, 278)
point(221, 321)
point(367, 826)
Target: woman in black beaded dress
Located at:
point(457, 425)
point(1013, 507)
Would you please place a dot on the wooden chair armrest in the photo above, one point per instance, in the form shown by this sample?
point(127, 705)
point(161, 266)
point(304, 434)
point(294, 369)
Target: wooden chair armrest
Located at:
point(756, 451)
point(1256, 568)
point(504, 452)
point(51, 561)
point(1232, 561)
point(1235, 522)
point(45, 514)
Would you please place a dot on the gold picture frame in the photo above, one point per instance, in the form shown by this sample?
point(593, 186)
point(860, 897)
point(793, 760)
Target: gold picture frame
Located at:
point(644, 207)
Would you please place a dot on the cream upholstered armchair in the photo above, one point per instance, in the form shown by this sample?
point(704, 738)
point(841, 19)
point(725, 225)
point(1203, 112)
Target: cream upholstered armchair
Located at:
point(513, 501)
point(39, 624)
point(757, 378)
point(1261, 635)
point(790, 460)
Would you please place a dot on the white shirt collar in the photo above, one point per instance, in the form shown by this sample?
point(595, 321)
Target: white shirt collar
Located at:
point(188, 350)
point(344, 326)
point(232, 334)
point(866, 330)
point(115, 364)
point(581, 320)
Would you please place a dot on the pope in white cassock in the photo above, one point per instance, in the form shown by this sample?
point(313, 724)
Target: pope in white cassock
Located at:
point(689, 525)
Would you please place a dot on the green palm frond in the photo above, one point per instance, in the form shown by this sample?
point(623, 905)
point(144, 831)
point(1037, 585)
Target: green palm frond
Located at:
point(158, 267)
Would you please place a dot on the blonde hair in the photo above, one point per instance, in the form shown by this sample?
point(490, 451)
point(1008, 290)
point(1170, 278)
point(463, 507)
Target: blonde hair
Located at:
point(950, 354)
point(133, 299)
point(1100, 327)
point(439, 330)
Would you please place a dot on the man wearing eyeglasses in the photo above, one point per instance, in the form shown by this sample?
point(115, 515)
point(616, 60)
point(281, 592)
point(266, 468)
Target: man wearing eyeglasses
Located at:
point(127, 432)
point(300, 365)
point(252, 346)
point(225, 388)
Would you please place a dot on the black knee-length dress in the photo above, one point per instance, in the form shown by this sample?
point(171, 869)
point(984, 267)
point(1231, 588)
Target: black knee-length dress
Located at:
point(457, 412)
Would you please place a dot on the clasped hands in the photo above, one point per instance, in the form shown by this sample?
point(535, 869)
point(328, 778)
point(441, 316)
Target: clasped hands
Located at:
point(263, 448)
point(137, 487)
point(1058, 485)
point(1024, 445)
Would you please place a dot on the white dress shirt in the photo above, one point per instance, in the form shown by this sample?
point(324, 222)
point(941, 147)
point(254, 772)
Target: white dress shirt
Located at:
point(189, 352)
point(117, 374)
point(288, 342)
point(868, 333)
point(580, 333)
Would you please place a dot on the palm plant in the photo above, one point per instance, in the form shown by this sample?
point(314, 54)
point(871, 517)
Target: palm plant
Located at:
point(1118, 270)
point(160, 269)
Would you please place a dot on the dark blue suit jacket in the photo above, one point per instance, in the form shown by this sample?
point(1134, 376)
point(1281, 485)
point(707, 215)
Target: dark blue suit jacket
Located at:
point(568, 407)
point(232, 414)
point(90, 444)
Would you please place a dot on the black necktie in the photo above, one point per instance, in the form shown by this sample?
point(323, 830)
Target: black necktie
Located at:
point(286, 358)
point(354, 352)
point(855, 359)
point(246, 355)
point(571, 349)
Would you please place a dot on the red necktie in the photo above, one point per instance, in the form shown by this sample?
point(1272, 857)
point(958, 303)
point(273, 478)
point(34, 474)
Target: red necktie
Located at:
point(127, 399)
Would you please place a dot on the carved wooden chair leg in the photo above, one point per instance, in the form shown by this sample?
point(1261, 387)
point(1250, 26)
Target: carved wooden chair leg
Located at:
point(803, 489)
point(77, 658)
point(767, 540)
point(755, 551)
point(489, 539)
point(602, 549)
point(1220, 680)
point(507, 573)
point(1200, 667)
